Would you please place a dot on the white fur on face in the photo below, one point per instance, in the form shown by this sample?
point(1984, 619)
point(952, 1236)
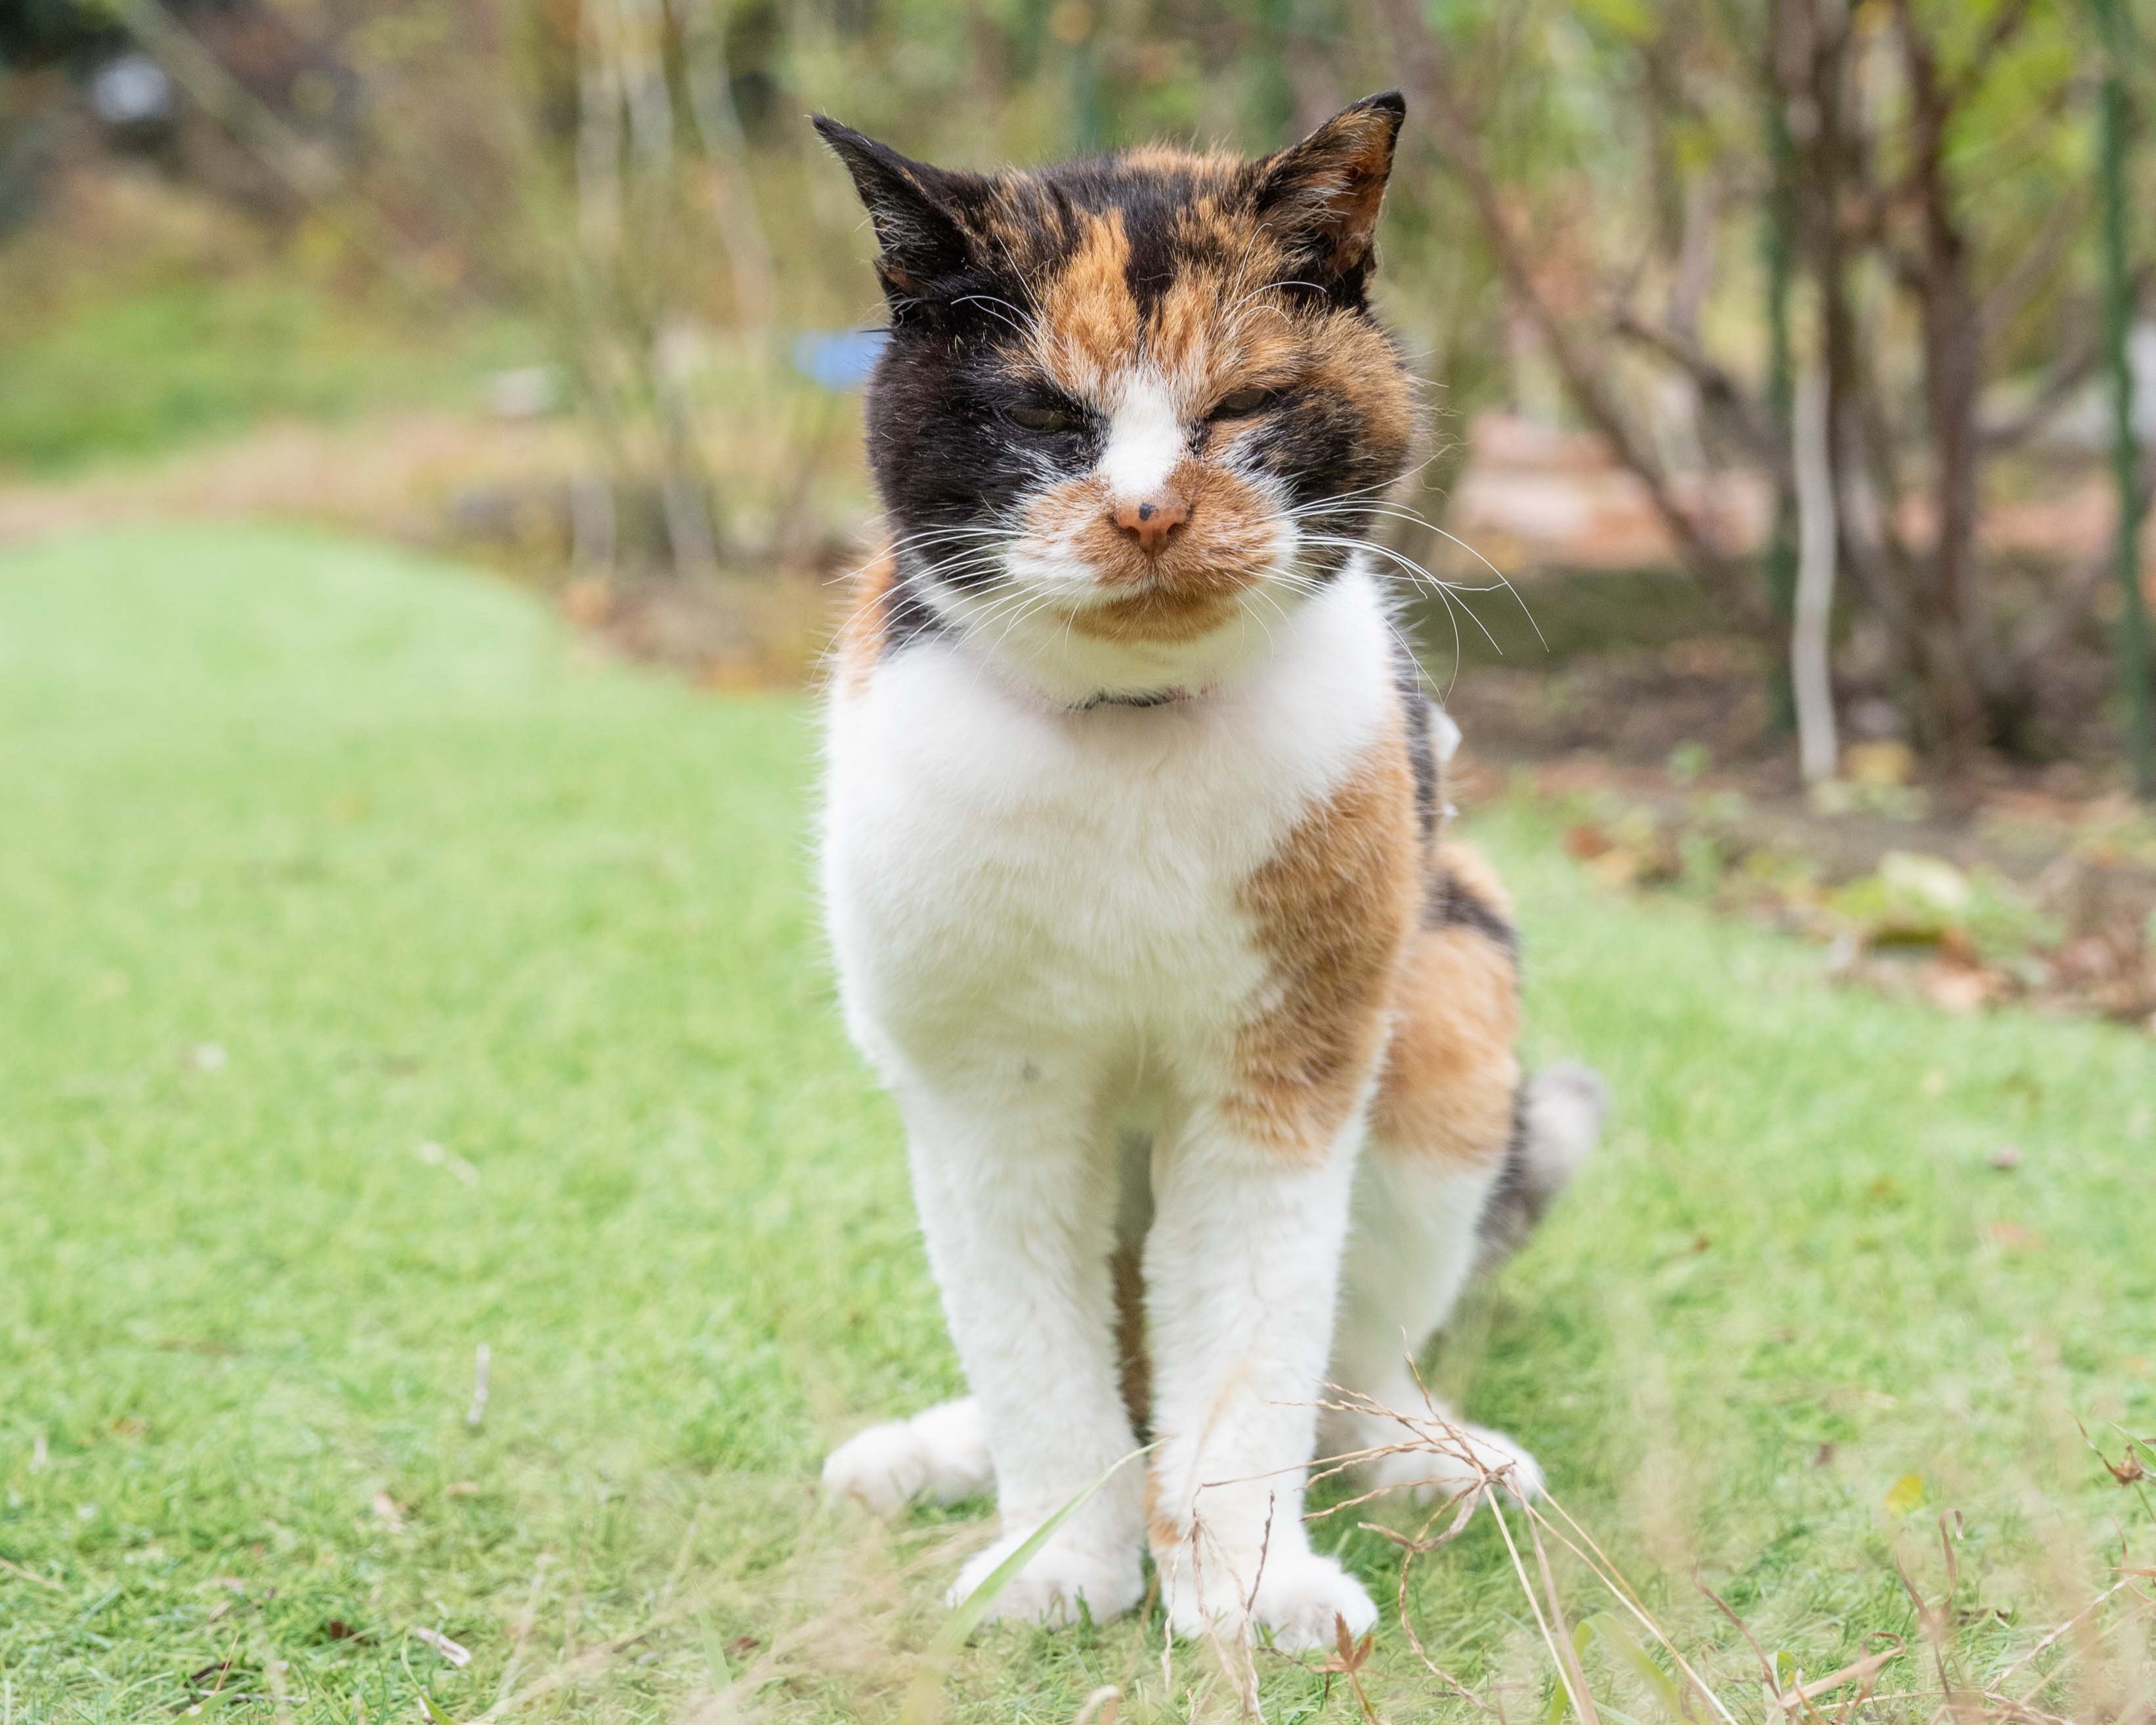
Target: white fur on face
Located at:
point(1146, 439)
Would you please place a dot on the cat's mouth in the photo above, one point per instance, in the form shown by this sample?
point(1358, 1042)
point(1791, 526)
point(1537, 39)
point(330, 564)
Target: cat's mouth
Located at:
point(1116, 590)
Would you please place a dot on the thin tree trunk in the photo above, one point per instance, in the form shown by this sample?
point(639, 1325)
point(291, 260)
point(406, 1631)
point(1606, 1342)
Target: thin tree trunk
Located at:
point(1780, 248)
point(1811, 671)
point(1955, 620)
point(1818, 79)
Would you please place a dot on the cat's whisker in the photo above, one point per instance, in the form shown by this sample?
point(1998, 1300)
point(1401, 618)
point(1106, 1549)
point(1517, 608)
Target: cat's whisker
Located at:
point(1416, 573)
point(1399, 512)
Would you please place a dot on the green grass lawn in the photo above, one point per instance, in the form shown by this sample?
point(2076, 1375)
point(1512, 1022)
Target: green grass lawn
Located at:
point(381, 977)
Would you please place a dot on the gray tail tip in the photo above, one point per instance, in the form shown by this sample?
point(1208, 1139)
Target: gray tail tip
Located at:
point(1566, 1105)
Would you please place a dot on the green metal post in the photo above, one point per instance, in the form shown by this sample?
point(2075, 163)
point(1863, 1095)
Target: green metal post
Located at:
point(2133, 654)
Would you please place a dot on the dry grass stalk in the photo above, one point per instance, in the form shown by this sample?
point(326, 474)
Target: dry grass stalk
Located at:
point(1789, 1698)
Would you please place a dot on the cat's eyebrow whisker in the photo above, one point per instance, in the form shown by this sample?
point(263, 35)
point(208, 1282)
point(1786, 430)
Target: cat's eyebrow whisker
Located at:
point(1018, 276)
point(1004, 309)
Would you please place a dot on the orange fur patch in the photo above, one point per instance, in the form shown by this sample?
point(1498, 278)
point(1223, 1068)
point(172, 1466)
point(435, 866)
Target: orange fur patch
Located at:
point(1088, 326)
point(1451, 1072)
point(861, 639)
point(1333, 909)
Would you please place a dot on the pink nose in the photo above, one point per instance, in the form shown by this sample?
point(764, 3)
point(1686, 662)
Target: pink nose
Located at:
point(1150, 520)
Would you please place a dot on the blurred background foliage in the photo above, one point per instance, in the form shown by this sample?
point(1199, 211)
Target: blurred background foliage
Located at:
point(1622, 235)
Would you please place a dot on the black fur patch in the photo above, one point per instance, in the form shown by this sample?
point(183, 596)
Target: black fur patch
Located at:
point(907, 618)
point(1451, 904)
point(1513, 1207)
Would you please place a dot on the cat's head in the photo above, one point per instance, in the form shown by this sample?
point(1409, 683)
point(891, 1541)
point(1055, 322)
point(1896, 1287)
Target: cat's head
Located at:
point(1133, 409)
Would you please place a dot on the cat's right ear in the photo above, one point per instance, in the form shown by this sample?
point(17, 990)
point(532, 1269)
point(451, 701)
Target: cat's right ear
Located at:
point(914, 209)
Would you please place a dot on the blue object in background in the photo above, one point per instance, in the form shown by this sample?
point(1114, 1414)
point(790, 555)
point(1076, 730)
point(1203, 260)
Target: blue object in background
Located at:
point(838, 359)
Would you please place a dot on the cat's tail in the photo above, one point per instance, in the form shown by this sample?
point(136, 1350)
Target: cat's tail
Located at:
point(1556, 1126)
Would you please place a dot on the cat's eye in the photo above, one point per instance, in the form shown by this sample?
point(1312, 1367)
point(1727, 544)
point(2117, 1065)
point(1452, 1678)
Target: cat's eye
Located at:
point(1244, 402)
point(1039, 417)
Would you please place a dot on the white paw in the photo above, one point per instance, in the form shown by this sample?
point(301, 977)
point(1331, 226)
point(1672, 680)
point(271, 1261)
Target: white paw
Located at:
point(1056, 1578)
point(940, 1454)
point(1299, 1598)
point(1292, 1601)
point(1457, 1461)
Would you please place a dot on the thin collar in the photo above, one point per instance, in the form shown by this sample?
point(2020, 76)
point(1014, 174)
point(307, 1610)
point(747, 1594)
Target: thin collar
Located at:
point(1157, 698)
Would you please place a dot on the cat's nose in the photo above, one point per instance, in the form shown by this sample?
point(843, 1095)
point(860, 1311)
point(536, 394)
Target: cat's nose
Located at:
point(1150, 520)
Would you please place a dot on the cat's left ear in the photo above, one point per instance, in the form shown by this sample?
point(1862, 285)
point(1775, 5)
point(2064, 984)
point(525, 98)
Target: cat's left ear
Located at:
point(1322, 195)
point(915, 208)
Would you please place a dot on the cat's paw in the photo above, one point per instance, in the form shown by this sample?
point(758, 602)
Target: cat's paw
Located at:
point(1295, 1604)
point(1300, 1597)
point(1055, 1579)
point(1465, 1458)
point(940, 1456)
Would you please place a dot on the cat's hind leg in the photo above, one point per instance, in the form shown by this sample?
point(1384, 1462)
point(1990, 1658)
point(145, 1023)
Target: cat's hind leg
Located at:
point(940, 1456)
point(1462, 1158)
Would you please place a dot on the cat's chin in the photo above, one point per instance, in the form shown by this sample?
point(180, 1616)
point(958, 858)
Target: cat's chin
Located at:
point(1138, 647)
point(1163, 616)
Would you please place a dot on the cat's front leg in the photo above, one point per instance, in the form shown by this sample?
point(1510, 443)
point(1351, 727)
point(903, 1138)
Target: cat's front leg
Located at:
point(1242, 1268)
point(1017, 1203)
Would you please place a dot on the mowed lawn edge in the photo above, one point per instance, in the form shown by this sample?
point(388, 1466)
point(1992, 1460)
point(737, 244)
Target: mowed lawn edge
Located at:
point(387, 975)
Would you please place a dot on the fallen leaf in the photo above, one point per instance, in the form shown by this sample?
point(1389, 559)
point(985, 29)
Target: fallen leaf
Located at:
point(1958, 989)
point(1879, 763)
point(1587, 840)
point(1905, 1494)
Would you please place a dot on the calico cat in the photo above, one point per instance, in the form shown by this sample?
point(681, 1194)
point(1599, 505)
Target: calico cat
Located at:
point(1202, 1032)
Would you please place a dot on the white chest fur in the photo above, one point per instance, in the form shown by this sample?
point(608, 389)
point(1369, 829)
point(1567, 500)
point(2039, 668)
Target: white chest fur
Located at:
point(1005, 877)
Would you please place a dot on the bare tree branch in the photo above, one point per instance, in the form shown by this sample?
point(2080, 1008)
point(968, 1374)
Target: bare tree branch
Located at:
point(2057, 389)
point(1719, 385)
point(2006, 25)
point(1424, 68)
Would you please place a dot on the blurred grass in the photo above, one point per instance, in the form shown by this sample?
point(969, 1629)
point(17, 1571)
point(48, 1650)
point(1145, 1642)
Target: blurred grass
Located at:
point(318, 855)
point(152, 366)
